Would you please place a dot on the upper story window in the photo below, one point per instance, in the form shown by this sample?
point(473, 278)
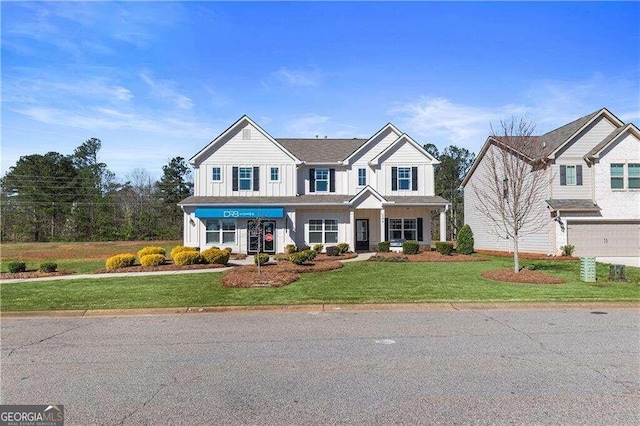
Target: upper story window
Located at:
point(362, 177)
point(571, 175)
point(274, 174)
point(322, 180)
point(246, 179)
point(634, 176)
point(404, 178)
point(619, 177)
point(216, 174)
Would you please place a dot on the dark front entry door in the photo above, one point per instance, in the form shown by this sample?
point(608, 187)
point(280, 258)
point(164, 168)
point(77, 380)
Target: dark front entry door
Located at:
point(362, 234)
point(266, 244)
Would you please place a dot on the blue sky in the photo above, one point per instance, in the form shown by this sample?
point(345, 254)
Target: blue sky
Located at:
point(159, 80)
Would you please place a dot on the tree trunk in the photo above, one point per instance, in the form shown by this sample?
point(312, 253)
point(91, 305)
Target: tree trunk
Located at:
point(516, 257)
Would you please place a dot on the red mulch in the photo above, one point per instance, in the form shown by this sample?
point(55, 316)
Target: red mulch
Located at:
point(525, 276)
point(434, 256)
point(169, 266)
point(527, 256)
point(274, 275)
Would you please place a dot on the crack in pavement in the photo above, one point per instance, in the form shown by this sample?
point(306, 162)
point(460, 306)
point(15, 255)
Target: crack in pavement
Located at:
point(151, 398)
point(47, 338)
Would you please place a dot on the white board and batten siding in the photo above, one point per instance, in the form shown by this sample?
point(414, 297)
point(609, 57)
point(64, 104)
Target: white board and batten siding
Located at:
point(303, 216)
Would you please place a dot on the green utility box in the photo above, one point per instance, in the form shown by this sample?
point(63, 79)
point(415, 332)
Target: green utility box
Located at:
point(588, 269)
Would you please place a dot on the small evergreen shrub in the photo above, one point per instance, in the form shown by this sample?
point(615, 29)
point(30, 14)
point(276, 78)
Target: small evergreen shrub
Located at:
point(410, 247)
point(465, 240)
point(444, 248)
point(299, 258)
point(152, 260)
point(48, 267)
point(290, 248)
point(333, 251)
point(343, 247)
point(214, 255)
point(261, 258)
point(384, 246)
point(16, 267)
point(303, 248)
point(311, 254)
point(318, 248)
point(179, 249)
point(281, 257)
point(120, 261)
point(567, 250)
point(228, 249)
point(187, 257)
point(151, 250)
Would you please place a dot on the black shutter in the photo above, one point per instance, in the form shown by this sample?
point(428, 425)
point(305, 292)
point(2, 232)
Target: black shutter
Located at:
point(414, 178)
point(312, 180)
point(256, 178)
point(579, 175)
point(235, 179)
point(563, 175)
point(386, 229)
point(394, 178)
point(332, 180)
point(419, 229)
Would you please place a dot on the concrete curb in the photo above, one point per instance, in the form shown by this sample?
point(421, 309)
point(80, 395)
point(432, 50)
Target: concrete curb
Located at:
point(327, 308)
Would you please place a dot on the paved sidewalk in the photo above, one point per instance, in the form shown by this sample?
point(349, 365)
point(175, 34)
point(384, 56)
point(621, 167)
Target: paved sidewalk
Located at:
point(247, 261)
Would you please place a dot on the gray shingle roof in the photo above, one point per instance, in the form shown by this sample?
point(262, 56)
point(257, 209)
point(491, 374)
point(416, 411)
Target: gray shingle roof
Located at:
point(573, 205)
point(307, 199)
point(321, 150)
point(416, 199)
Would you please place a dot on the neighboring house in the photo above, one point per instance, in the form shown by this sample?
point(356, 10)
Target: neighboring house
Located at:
point(309, 191)
point(593, 196)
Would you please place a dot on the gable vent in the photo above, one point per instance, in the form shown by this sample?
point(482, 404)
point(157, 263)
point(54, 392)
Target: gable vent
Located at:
point(246, 134)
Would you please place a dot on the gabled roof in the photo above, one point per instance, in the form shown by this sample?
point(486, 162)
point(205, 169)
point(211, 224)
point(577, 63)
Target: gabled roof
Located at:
point(403, 137)
point(368, 190)
point(244, 119)
point(595, 152)
point(321, 150)
point(365, 145)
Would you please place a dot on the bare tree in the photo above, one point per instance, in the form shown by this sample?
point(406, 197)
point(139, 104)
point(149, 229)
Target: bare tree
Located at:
point(512, 188)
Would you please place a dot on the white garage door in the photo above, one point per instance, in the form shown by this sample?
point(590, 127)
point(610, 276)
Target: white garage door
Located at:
point(604, 238)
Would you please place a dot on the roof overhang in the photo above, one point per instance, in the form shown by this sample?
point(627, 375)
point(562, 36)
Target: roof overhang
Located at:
point(595, 153)
point(366, 145)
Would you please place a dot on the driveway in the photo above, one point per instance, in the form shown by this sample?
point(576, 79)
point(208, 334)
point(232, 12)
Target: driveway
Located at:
point(550, 366)
point(628, 261)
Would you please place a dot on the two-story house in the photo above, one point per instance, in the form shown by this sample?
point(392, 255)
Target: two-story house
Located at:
point(309, 191)
point(591, 196)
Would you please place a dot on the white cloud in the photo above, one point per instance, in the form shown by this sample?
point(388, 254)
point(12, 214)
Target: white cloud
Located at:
point(164, 89)
point(299, 77)
point(306, 126)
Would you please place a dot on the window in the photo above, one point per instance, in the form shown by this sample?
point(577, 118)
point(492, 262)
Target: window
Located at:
point(274, 174)
point(216, 174)
point(323, 231)
point(617, 176)
point(221, 231)
point(245, 178)
point(362, 177)
point(406, 229)
point(634, 176)
point(404, 178)
point(571, 175)
point(322, 180)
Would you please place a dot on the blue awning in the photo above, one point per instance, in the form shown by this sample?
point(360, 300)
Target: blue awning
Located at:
point(239, 212)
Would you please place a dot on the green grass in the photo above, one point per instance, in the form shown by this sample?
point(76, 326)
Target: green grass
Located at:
point(358, 282)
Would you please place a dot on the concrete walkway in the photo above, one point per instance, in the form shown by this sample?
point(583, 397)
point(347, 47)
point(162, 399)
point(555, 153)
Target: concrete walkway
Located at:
point(247, 261)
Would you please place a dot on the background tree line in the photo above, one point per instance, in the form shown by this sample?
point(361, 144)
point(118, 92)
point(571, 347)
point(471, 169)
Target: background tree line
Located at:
point(56, 197)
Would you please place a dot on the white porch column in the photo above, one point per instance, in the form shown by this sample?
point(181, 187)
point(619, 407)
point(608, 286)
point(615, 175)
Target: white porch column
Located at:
point(291, 234)
point(382, 219)
point(351, 236)
point(443, 225)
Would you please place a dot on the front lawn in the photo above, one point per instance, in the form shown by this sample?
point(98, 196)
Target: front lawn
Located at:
point(357, 282)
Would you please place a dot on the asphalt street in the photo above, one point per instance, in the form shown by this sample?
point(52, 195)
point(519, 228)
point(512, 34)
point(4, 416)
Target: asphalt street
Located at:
point(548, 366)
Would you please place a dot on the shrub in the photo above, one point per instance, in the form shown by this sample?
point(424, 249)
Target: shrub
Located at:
point(567, 250)
point(333, 251)
point(444, 248)
point(410, 247)
point(281, 257)
point(180, 249)
point(228, 249)
point(290, 248)
point(303, 248)
point(298, 258)
point(187, 257)
point(384, 246)
point(214, 255)
point(465, 240)
point(261, 258)
point(343, 247)
point(311, 254)
point(15, 267)
point(318, 248)
point(120, 261)
point(48, 267)
point(152, 260)
point(151, 250)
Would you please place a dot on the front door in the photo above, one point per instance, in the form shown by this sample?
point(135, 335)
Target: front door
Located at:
point(362, 234)
point(261, 239)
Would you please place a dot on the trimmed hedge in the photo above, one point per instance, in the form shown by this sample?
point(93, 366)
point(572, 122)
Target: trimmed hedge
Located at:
point(343, 247)
point(290, 248)
point(180, 249)
point(16, 267)
point(152, 260)
point(48, 267)
point(465, 240)
point(298, 258)
point(410, 247)
point(318, 248)
point(151, 250)
point(120, 261)
point(333, 251)
point(384, 246)
point(444, 248)
point(214, 255)
point(261, 258)
point(187, 257)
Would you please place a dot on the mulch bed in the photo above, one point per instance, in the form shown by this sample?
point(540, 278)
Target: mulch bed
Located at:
point(526, 256)
point(169, 266)
point(429, 256)
point(274, 275)
point(32, 274)
point(525, 276)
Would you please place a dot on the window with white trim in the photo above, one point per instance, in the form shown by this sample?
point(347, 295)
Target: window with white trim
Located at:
point(216, 174)
point(571, 175)
point(362, 177)
point(404, 178)
point(322, 180)
point(406, 229)
point(274, 174)
point(617, 176)
point(323, 231)
point(633, 176)
point(625, 175)
point(220, 231)
point(245, 178)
